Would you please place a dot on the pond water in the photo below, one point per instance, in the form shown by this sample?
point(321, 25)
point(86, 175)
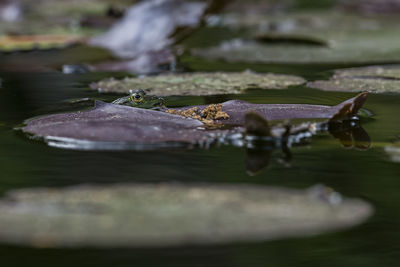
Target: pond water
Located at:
point(369, 174)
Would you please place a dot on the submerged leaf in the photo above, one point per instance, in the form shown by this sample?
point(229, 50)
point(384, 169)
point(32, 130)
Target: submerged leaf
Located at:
point(199, 83)
point(375, 79)
point(149, 215)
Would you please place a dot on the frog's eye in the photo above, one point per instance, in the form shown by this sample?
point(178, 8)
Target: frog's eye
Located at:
point(137, 98)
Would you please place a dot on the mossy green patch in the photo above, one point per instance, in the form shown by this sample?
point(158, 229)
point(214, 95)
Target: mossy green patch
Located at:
point(199, 83)
point(375, 79)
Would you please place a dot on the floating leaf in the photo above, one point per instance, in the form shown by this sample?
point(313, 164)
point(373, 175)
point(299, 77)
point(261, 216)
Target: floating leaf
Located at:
point(122, 127)
point(116, 123)
point(237, 109)
point(289, 39)
point(146, 215)
point(349, 39)
point(375, 79)
point(51, 23)
point(29, 42)
point(199, 83)
point(371, 6)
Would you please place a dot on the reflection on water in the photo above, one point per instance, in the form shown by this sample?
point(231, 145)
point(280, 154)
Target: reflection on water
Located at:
point(349, 132)
point(71, 143)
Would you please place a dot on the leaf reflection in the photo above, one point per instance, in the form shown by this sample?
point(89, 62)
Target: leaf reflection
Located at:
point(349, 132)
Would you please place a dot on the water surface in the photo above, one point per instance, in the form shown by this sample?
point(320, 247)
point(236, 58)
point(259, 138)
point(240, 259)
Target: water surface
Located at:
point(364, 174)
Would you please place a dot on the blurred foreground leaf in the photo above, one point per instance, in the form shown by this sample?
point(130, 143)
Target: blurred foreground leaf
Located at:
point(154, 215)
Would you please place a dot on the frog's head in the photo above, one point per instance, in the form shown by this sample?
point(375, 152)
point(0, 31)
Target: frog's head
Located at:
point(137, 97)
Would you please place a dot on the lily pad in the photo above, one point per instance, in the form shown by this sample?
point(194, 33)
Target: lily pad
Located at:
point(154, 215)
point(28, 42)
point(371, 6)
point(116, 123)
point(122, 127)
point(40, 20)
point(199, 83)
point(375, 79)
point(349, 39)
point(236, 109)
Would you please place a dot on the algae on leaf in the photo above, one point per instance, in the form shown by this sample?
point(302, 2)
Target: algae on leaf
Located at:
point(171, 214)
point(375, 79)
point(199, 83)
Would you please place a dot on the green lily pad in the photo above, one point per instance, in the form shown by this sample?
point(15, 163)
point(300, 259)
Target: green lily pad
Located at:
point(199, 83)
point(49, 17)
point(150, 215)
point(387, 71)
point(28, 42)
point(348, 39)
point(53, 17)
point(375, 79)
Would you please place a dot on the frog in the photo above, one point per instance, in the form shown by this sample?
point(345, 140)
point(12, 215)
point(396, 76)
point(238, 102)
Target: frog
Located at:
point(140, 99)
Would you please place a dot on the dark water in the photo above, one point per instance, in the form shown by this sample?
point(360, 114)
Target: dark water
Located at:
point(365, 174)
